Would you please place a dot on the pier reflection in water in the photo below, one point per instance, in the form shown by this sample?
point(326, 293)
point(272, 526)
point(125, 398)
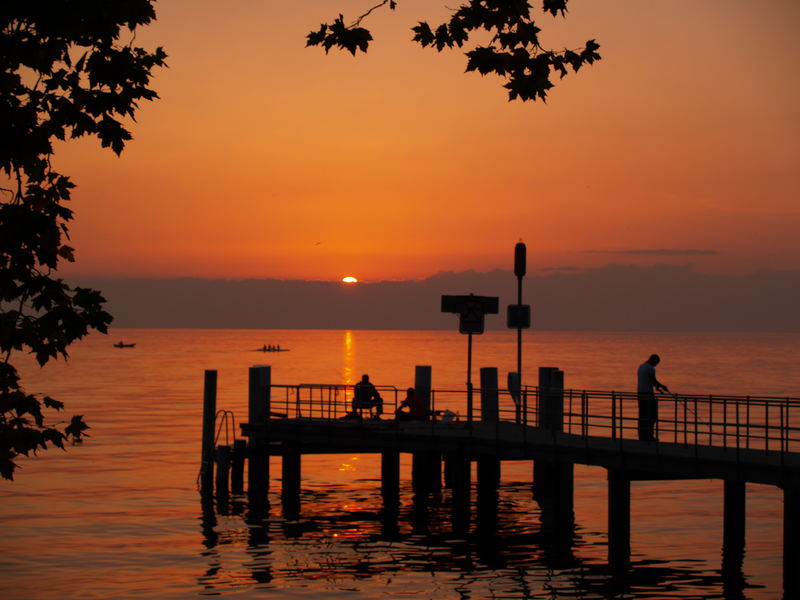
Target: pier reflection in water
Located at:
point(514, 545)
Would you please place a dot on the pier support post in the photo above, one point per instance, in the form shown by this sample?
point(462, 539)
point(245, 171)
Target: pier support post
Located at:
point(290, 481)
point(554, 492)
point(733, 537)
point(426, 467)
point(426, 472)
point(488, 473)
point(448, 470)
point(223, 459)
point(462, 475)
point(488, 486)
point(553, 479)
point(259, 387)
point(619, 518)
point(209, 418)
point(791, 542)
point(237, 466)
point(390, 479)
point(489, 466)
point(435, 472)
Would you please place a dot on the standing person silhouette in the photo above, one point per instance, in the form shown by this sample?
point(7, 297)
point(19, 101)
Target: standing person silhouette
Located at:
point(366, 396)
point(646, 387)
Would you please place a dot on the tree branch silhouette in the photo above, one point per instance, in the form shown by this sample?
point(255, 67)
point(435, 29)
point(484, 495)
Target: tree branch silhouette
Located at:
point(513, 52)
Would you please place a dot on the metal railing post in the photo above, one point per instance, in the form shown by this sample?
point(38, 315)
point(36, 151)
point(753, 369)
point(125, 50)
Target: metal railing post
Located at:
point(569, 414)
point(710, 420)
point(766, 426)
point(724, 422)
point(780, 408)
point(685, 423)
point(586, 420)
point(737, 425)
point(675, 418)
point(747, 429)
point(613, 415)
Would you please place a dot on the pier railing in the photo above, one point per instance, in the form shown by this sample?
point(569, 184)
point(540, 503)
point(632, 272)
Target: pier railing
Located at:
point(741, 422)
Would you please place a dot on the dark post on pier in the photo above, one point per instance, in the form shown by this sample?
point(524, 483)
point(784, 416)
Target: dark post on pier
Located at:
point(259, 388)
point(209, 418)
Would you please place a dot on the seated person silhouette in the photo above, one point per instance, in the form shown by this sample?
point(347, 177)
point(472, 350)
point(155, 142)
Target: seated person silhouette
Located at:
point(365, 396)
point(416, 409)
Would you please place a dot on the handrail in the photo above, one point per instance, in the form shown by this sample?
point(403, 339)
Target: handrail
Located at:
point(769, 424)
point(226, 424)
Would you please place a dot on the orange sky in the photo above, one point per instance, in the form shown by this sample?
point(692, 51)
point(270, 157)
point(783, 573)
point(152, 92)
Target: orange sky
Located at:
point(268, 159)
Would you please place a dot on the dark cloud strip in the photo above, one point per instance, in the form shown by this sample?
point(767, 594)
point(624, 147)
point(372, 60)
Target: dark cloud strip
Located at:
point(662, 252)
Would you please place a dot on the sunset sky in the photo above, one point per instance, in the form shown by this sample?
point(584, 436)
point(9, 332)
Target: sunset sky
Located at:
point(265, 158)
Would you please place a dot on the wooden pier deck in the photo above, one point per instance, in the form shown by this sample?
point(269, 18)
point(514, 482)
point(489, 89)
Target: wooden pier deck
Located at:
point(510, 441)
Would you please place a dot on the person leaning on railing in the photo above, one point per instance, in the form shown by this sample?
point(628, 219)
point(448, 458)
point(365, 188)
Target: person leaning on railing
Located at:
point(646, 387)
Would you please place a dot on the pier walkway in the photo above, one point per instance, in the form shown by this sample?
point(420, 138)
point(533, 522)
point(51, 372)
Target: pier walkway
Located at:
point(754, 439)
point(509, 441)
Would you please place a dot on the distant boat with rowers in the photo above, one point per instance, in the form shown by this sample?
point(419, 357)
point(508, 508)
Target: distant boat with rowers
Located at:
point(266, 348)
point(123, 345)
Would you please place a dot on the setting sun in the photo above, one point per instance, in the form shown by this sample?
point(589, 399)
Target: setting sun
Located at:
point(349, 279)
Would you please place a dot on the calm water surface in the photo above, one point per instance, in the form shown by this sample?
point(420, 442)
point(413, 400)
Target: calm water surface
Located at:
point(120, 516)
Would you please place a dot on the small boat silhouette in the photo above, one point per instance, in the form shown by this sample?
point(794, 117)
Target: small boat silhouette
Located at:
point(123, 345)
point(266, 348)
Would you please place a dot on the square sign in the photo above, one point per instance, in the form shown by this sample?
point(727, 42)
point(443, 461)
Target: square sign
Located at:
point(519, 316)
point(471, 310)
point(471, 319)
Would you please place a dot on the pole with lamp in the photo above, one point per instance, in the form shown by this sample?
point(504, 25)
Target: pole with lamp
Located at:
point(519, 318)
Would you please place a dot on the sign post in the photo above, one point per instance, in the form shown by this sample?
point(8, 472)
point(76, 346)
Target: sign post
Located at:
point(471, 310)
point(519, 318)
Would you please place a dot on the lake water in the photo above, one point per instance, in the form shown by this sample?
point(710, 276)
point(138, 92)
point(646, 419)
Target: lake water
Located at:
point(120, 515)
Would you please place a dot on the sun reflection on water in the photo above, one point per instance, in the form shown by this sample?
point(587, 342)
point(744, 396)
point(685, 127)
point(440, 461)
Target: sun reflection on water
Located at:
point(349, 466)
point(349, 357)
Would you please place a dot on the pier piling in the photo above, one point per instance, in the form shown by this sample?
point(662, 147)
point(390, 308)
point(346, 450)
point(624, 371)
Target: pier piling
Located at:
point(551, 398)
point(733, 527)
point(223, 460)
point(791, 542)
point(237, 466)
point(290, 481)
point(209, 418)
point(553, 478)
point(422, 384)
point(489, 395)
point(489, 466)
point(390, 478)
point(426, 467)
point(258, 405)
point(462, 484)
point(619, 518)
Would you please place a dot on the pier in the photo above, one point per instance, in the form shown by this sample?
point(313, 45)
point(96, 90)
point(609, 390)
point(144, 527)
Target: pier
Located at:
point(735, 439)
